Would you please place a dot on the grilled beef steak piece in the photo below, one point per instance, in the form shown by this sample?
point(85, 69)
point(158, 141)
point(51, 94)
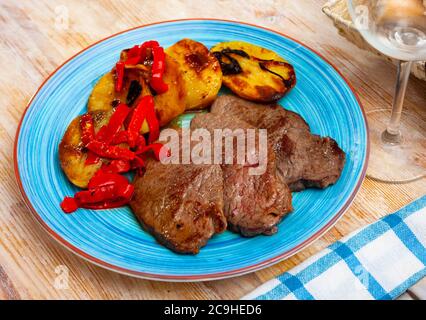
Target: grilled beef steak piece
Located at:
point(181, 205)
point(254, 204)
point(303, 159)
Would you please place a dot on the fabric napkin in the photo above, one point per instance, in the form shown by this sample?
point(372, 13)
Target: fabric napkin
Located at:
point(379, 261)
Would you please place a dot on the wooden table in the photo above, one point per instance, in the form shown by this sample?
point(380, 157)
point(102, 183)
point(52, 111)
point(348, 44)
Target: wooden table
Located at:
point(36, 37)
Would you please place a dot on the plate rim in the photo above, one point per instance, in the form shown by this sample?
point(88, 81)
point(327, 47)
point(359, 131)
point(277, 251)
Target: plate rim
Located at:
point(203, 277)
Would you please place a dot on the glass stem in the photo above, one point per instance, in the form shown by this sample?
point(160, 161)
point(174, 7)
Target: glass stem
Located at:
point(392, 133)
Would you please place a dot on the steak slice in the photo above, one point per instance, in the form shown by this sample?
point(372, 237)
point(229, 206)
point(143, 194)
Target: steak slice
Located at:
point(254, 204)
point(181, 205)
point(303, 159)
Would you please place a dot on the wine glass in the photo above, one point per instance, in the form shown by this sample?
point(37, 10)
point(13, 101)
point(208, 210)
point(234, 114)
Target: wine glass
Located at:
point(396, 28)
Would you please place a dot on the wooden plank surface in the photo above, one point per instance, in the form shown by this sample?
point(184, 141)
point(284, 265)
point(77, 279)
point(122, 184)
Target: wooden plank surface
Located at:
point(36, 37)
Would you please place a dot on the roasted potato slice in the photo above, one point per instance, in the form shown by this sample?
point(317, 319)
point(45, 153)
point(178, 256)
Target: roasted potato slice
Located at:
point(72, 155)
point(171, 103)
point(254, 73)
point(201, 72)
point(168, 105)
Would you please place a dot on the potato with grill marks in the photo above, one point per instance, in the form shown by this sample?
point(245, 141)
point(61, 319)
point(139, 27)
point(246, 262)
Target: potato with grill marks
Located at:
point(201, 72)
point(254, 73)
point(72, 153)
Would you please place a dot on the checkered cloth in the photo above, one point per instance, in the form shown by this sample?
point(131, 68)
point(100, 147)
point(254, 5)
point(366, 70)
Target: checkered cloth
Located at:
point(379, 261)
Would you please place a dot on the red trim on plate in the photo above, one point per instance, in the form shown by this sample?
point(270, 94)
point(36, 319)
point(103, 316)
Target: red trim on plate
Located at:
point(205, 277)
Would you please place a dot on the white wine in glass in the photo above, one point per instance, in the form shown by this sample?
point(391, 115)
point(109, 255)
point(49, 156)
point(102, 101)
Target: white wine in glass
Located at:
point(396, 28)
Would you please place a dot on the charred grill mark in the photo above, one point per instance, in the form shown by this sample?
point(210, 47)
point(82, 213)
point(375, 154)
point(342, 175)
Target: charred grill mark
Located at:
point(197, 61)
point(115, 103)
point(263, 64)
point(236, 51)
point(135, 90)
point(233, 67)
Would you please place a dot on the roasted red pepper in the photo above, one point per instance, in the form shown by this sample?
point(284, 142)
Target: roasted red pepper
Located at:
point(120, 137)
point(134, 55)
point(69, 205)
point(140, 113)
point(158, 69)
point(108, 151)
point(116, 166)
point(92, 158)
point(119, 71)
point(105, 191)
point(108, 132)
point(137, 54)
point(102, 178)
point(155, 148)
point(153, 123)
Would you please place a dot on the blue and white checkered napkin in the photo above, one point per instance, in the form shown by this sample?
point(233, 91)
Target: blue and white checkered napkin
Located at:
point(379, 261)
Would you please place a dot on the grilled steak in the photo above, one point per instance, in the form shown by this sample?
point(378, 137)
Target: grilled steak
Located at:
point(303, 159)
point(254, 204)
point(181, 205)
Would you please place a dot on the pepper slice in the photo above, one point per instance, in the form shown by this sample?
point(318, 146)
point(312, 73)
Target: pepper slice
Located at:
point(158, 69)
point(153, 123)
point(102, 179)
point(116, 166)
point(144, 110)
point(108, 151)
point(69, 205)
point(119, 70)
point(155, 148)
point(125, 195)
point(120, 137)
point(107, 133)
point(137, 54)
point(105, 191)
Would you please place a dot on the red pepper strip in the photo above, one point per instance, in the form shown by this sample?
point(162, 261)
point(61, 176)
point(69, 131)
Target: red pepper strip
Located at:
point(123, 199)
point(153, 124)
point(100, 136)
point(92, 158)
point(148, 45)
point(114, 124)
point(69, 205)
point(102, 179)
point(155, 148)
point(87, 128)
point(96, 195)
point(119, 69)
point(134, 55)
point(158, 68)
point(137, 54)
point(120, 137)
point(141, 141)
point(116, 166)
point(138, 116)
point(112, 152)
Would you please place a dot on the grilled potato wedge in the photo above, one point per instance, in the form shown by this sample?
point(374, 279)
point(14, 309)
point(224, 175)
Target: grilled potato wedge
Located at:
point(72, 155)
point(168, 105)
point(201, 72)
point(254, 73)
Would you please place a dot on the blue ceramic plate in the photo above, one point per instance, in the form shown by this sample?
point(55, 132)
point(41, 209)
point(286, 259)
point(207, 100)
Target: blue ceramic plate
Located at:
point(113, 238)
